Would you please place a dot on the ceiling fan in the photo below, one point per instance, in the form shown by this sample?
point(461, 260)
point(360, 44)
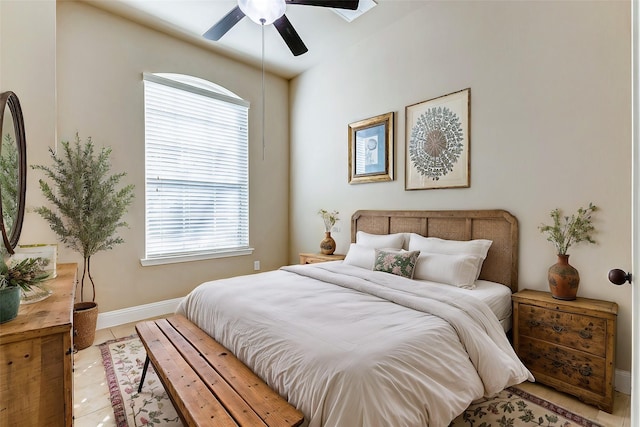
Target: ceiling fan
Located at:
point(265, 12)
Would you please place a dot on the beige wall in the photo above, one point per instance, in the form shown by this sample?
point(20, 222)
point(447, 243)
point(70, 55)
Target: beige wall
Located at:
point(100, 61)
point(28, 68)
point(550, 126)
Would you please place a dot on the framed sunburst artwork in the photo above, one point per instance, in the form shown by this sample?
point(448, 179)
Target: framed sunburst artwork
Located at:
point(437, 142)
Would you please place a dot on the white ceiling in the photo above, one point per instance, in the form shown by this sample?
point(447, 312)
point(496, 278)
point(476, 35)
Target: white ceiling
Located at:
point(325, 33)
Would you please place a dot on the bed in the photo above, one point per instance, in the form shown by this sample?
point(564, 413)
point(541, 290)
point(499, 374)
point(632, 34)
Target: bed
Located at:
point(501, 264)
point(351, 346)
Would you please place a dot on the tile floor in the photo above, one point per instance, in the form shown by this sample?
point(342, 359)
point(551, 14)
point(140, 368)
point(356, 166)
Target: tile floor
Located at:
point(92, 408)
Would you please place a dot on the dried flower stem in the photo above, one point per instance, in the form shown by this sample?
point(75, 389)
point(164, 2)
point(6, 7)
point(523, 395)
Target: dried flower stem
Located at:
point(567, 231)
point(329, 218)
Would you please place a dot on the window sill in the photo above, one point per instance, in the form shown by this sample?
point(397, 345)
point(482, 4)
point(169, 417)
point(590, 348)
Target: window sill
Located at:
point(146, 262)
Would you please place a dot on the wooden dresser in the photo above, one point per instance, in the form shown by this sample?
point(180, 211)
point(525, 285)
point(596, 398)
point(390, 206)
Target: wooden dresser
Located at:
point(313, 258)
point(568, 345)
point(36, 358)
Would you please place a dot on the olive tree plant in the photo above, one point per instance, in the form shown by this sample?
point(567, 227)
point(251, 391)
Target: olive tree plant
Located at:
point(88, 206)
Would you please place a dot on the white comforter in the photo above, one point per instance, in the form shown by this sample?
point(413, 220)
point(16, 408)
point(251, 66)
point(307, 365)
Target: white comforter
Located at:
point(352, 347)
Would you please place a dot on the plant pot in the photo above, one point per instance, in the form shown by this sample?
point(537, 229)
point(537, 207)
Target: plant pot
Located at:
point(563, 279)
point(328, 245)
point(85, 318)
point(9, 303)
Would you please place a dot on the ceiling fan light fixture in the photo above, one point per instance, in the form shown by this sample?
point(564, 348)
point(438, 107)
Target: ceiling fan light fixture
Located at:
point(263, 12)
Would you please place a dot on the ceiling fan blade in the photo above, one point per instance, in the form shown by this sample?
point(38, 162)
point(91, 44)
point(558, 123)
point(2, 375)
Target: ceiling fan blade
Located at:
point(224, 25)
point(290, 36)
point(338, 4)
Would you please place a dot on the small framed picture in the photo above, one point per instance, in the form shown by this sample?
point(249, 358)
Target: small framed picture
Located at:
point(48, 254)
point(437, 142)
point(371, 149)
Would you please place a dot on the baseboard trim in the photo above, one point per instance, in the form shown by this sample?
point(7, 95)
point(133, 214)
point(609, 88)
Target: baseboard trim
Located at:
point(160, 308)
point(137, 313)
point(623, 381)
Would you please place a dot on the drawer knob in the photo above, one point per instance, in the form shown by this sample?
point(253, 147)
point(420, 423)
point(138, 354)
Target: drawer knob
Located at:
point(586, 334)
point(533, 323)
point(558, 328)
point(585, 370)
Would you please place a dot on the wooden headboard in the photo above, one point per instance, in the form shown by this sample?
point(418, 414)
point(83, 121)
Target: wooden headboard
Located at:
point(501, 264)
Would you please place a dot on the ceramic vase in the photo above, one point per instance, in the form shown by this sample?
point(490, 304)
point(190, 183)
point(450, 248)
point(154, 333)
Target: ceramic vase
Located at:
point(328, 245)
point(9, 303)
point(563, 279)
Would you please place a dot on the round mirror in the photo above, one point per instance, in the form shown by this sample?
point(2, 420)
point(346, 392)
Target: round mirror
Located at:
point(13, 169)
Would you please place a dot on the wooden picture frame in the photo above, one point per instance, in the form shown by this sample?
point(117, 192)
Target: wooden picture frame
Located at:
point(437, 142)
point(371, 149)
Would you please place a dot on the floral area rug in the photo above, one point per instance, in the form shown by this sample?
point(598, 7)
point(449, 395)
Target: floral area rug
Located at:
point(514, 407)
point(124, 360)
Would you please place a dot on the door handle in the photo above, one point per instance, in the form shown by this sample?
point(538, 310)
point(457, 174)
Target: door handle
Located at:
point(619, 277)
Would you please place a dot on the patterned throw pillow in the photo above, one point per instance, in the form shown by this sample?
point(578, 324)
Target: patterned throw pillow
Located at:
point(399, 263)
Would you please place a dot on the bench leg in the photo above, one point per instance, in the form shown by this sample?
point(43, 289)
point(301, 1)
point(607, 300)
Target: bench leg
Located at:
point(144, 373)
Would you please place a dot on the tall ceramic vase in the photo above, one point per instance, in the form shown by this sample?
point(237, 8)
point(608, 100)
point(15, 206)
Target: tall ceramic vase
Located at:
point(563, 279)
point(328, 245)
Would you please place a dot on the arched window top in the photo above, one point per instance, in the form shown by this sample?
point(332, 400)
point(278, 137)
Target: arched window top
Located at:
point(198, 82)
point(195, 85)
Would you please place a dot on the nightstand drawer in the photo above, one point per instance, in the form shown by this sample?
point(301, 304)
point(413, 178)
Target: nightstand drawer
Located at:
point(306, 258)
point(563, 364)
point(573, 330)
point(313, 260)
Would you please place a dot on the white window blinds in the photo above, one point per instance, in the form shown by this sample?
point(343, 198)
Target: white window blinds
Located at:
point(196, 159)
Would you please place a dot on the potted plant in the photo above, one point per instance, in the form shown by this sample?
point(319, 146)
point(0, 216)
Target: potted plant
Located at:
point(88, 212)
point(565, 232)
point(17, 277)
point(328, 245)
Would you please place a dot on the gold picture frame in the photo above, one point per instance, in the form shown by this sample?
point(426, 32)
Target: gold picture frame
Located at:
point(371, 149)
point(437, 142)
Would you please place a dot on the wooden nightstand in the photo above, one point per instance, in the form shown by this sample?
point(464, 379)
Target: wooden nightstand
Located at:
point(568, 345)
point(313, 258)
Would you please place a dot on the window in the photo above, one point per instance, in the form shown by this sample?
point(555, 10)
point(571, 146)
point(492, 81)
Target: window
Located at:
point(196, 169)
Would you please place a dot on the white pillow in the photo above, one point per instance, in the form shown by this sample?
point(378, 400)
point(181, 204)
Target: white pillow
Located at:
point(380, 241)
point(457, 270)
point(364, 256)
point(477, 248)
point(360, 256)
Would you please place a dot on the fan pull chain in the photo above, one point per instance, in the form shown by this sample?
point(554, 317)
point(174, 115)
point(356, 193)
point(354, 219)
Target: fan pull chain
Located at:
point(263, 103)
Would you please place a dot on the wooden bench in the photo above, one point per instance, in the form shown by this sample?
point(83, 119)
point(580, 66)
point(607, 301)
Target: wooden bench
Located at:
point(206, 383)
